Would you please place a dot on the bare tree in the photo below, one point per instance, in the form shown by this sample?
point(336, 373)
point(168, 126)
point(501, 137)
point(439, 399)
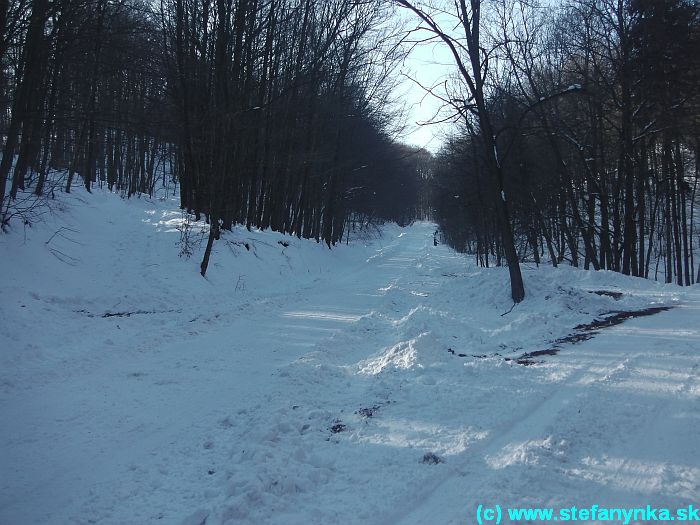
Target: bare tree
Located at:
point(472, 61)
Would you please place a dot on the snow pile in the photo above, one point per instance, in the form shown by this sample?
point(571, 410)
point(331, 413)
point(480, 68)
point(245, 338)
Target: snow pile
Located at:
point(373, 383)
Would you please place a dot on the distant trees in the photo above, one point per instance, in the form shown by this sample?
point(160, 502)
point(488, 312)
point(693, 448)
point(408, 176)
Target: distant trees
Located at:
point(267, 113)
point(596, 104)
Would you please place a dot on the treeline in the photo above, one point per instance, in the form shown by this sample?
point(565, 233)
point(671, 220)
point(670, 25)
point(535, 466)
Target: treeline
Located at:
point(82, 92)
point(276, 100)
point(268, 113)
point(595, 106)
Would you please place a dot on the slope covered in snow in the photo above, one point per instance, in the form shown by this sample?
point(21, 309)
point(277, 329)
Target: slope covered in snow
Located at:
point(373, 383)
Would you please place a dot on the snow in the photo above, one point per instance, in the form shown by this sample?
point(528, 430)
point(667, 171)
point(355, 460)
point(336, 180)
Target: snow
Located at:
point(298, 384)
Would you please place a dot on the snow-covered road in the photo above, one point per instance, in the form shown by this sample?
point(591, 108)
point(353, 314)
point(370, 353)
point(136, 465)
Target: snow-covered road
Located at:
point(302, 385)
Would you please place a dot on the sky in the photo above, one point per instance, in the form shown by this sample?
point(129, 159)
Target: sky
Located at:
point(430, 64)
point(427, 65)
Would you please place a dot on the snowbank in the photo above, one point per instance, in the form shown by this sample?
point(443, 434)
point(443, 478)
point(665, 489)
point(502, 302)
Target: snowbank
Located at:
point(371, 383)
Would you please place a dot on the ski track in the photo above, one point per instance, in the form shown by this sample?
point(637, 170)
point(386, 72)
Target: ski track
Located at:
point(580, 419)
point(219, 410)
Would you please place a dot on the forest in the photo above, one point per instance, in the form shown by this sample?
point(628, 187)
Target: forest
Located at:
point(264, 113)
point(574, 138)
point(349, 262)
point(591, 123)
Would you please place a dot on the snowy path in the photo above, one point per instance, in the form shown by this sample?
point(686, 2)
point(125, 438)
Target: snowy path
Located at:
point(620, 430)
point(217, 403)
point(92, 431)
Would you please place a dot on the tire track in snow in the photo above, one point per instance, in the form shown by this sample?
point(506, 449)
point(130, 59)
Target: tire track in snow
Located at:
point(578, 436)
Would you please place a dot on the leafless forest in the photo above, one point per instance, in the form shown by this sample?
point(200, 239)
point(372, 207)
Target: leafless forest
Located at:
point(575, 138)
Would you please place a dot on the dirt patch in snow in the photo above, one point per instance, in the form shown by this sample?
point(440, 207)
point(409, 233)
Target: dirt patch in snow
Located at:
point(584, 332)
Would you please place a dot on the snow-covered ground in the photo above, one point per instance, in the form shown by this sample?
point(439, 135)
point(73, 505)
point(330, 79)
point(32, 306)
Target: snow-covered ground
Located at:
point(301, 385)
